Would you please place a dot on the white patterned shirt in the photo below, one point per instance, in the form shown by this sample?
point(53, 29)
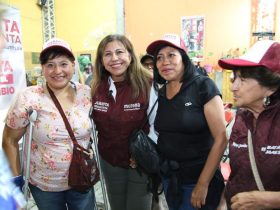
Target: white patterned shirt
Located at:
point(52, 147)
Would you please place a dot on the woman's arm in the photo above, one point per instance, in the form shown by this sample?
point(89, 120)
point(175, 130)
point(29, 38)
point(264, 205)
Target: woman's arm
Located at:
point(10, 141)
point(214, 113)
point(256, 200)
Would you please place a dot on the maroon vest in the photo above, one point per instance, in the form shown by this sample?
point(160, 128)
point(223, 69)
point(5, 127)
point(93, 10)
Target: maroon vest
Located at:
point(115, 120)
point(266, 143)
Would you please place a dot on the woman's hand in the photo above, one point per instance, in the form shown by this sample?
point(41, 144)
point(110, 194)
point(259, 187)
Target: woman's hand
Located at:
point(199, 195)
point(132, 162)
point(214, 114)
point(247, 201)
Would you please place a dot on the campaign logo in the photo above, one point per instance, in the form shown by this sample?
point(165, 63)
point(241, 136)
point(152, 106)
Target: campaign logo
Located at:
point(6, 73)
point(6, 79)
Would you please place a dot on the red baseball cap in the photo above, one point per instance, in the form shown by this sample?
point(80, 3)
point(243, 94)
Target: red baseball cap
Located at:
point(57, 43)
point(264, 53)
point(172, 40)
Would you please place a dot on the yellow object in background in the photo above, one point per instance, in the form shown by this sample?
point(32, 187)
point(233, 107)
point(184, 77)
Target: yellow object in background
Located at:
point(227, 94)
point(226, 84)
point(81, 78)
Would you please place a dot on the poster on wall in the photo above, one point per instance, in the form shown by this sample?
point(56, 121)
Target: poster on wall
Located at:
point(12, 71)
point(263, 19)
point(192, 32)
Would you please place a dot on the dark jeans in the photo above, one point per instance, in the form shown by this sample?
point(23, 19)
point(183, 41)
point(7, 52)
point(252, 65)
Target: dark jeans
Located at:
point(215, 190)
point(68, 199)
point(186, 191)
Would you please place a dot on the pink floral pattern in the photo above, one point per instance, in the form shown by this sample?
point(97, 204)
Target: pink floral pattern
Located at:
point(51, 150)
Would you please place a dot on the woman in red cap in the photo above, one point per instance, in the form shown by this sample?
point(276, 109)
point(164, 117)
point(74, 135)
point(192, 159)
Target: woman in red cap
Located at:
point(254, 144)
point(191, 126)
point(51, 150)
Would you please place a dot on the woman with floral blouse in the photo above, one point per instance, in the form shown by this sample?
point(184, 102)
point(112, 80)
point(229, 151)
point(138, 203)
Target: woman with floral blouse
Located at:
point(51, 150)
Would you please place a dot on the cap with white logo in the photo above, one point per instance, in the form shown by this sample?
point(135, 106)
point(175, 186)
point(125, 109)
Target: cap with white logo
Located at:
point(56, 43)
point(172, 40)
point(264, 53)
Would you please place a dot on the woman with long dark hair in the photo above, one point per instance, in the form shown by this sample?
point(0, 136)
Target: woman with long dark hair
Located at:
point(191, 126)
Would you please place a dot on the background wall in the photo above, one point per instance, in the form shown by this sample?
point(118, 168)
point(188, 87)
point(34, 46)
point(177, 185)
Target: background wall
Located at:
point(227, 22)
point(31, 23)
point(81, 23)
point(227, 28)
point(84, 23)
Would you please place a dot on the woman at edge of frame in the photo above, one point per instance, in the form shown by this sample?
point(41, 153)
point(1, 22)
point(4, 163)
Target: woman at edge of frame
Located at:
point(256, 91)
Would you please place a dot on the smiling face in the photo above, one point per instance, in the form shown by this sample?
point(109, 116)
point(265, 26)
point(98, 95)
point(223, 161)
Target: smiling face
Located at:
point(58, 72)
point(116, 60)
point(170, 64)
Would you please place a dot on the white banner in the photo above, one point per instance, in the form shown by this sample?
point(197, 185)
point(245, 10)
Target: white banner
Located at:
point(12, 71)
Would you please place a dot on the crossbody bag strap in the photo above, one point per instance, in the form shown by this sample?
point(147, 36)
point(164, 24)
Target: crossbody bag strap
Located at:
point(149, 114)
point(66, 122)
point(253, 163)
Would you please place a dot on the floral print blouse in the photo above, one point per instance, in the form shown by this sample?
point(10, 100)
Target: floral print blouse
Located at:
point(51, 149)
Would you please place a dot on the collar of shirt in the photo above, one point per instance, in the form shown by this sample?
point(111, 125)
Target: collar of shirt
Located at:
point(112, 87)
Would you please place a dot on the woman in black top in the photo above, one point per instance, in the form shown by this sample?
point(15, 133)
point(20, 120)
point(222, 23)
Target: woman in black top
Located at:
point(191, 125)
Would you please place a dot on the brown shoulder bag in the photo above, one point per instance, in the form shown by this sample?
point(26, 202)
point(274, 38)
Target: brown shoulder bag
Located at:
point(83, 171)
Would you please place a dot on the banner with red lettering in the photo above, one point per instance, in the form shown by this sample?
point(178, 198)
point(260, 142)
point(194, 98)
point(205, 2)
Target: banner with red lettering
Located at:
point(12, 71)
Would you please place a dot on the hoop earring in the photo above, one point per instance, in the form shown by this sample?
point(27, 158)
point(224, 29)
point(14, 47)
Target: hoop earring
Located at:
point(266, 101)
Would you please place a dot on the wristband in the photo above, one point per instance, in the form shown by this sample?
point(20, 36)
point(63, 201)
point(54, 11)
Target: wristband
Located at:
point(18, 181)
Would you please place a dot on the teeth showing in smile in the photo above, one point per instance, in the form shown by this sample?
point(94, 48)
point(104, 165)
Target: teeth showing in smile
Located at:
point(58, 78)
point(116, 65)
